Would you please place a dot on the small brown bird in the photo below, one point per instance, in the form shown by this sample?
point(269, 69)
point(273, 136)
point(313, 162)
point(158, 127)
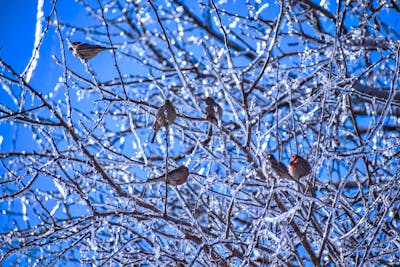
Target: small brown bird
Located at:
point(87, 51)
point(175, 177)
point(277, 168)
point(299, 167)
point(165, 116)
point(213, 111)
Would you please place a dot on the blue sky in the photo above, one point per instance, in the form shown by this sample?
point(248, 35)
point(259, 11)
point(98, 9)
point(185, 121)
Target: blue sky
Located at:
point(17, 29)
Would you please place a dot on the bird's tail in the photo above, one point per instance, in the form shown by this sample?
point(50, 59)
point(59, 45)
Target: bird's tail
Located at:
point(154, 136)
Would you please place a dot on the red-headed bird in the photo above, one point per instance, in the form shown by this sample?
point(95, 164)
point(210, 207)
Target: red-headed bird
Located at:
point(299, 167)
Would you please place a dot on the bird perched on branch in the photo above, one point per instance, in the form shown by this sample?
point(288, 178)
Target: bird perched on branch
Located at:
point(298, 167)
point(165, 116)
point(175, 177)
point(86, 51)
point(277, 168)
point(213, 111)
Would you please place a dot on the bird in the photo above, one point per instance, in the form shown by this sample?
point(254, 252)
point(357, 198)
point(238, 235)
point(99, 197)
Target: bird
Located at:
point(213, 110)
point(86, 51)
point(278, 168)
point(298, 167)
point(175, 177)
point(165, 116)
